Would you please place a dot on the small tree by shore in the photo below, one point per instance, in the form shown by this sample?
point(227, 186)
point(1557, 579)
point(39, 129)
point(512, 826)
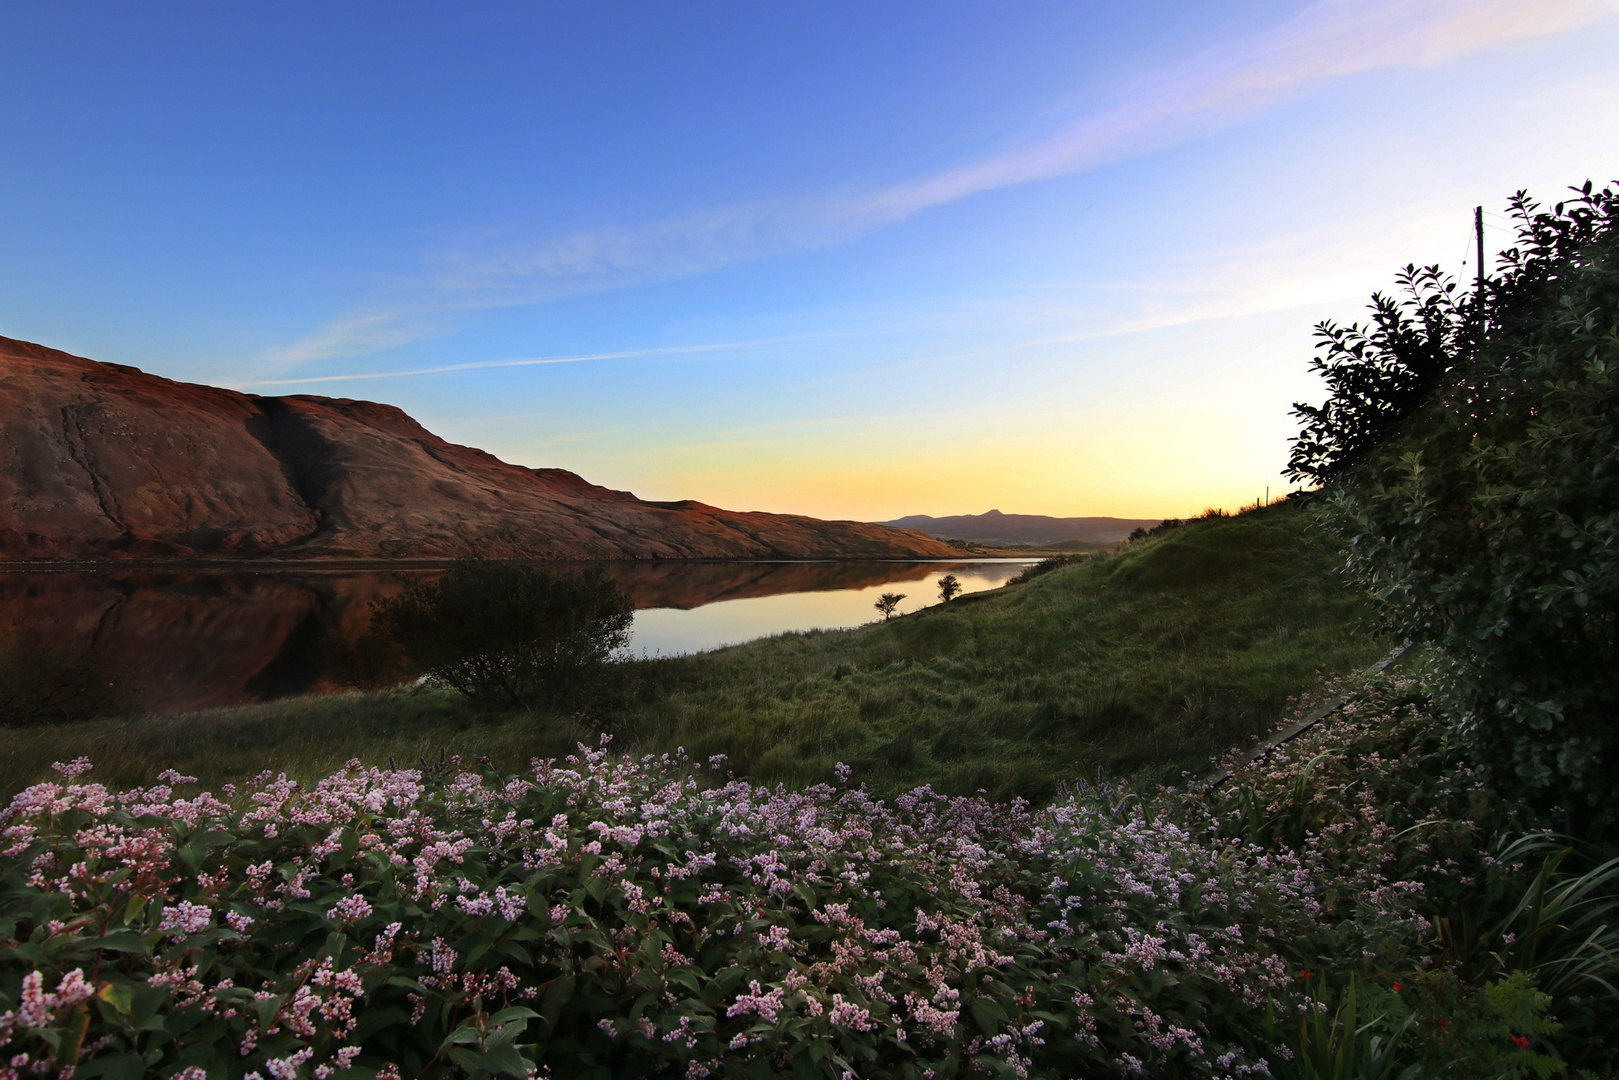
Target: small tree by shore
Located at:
point(949, 588)
point(888, 603)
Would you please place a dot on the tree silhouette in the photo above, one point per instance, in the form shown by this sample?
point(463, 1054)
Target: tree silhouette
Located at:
point(887, 603)
point(949, 587)
point(1380, 375)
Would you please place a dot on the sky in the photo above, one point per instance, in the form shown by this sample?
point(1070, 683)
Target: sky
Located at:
point(851, 260)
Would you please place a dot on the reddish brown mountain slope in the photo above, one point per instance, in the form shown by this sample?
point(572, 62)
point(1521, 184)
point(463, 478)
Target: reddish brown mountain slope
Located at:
point(106, 461)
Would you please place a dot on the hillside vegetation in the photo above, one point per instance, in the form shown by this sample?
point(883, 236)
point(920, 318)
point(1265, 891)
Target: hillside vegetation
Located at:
point(1141, 664)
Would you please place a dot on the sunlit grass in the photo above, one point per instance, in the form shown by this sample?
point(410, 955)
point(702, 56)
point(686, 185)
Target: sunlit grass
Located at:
point(1142, 664)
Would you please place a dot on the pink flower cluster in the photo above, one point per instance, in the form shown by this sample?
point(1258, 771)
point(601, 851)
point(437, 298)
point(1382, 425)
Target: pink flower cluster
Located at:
point(623, 906)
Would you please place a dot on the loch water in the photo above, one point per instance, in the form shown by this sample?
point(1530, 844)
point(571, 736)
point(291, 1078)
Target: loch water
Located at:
point(174, 641)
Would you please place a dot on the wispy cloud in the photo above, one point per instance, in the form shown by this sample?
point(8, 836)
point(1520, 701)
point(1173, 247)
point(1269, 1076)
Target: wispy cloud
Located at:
point(1329, 39)
point(477, 365)
point(1211, 91)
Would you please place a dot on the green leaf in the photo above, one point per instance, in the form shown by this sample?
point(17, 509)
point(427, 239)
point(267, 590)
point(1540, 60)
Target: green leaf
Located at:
point(113, 1067)
point(475, 947)
point(267, 1008)
point(118, 996)
point(804, 1067)
point(178, 1023)
point(510, 1029)
point(516, 1012)
point(373, 1020)
point(469, 1060)
point(133, 909)
point(122, 941)
point(517, 953)
point(27, 952)
point(555, 997)
point(642, 1004)
point(988, 1013)
point(465, 1035)
point(505, 1060)
point(684, 976)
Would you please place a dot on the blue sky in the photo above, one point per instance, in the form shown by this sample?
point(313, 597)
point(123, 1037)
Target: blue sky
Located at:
point(850, 260)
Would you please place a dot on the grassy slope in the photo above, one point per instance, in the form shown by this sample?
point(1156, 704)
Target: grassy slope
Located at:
point(1145, 663)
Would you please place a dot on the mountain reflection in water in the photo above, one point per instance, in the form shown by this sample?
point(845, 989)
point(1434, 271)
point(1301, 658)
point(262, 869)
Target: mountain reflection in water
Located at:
point(180, 641)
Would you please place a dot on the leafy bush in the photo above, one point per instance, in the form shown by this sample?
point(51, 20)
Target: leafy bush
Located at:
point(371, 662)
point(1443, 900)
point(1167, 525)
point(1333, 1043)
point(1046, 566)
point(1488, 518)
point(1380, 374)
point(509, 634)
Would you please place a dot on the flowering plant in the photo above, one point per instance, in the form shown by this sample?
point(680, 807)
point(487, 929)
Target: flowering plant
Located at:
point(607, 916)
point(618, 914)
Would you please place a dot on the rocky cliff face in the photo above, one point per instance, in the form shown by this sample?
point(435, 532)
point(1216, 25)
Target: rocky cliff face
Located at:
point(103, 461)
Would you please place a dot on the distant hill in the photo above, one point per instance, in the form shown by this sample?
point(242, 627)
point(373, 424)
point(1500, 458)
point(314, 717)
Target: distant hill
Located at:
point(998, 528)
point(103, 461)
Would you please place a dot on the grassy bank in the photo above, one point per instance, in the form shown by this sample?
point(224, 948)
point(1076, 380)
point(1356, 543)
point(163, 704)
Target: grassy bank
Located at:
point(1144, 663)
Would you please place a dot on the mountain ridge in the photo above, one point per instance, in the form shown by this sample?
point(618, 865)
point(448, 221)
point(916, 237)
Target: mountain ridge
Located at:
point(994, 527)
point(107, 462)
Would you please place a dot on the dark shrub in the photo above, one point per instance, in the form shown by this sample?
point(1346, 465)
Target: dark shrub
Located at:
point(1488, 519)
point(1046, 566)
point(508, 634)
point(372, 662)
point(41, 687)
point(1165, 526)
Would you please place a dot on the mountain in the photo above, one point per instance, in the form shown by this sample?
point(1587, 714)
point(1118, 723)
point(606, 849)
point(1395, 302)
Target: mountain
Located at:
point(104, 461)
point(998, 528)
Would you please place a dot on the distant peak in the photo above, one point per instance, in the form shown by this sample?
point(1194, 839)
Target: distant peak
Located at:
point(993, 513)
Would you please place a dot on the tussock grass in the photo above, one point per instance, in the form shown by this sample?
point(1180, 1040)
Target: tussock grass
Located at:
point(1143, 664)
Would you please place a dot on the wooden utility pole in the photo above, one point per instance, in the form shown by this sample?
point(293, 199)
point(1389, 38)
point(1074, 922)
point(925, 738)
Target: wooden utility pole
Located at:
point(1478, 226)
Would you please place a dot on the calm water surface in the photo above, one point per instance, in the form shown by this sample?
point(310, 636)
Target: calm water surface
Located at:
point(174, 641)
point(670, 630)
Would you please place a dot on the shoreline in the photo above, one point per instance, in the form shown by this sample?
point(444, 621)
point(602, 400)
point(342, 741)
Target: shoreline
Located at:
point(261, 566)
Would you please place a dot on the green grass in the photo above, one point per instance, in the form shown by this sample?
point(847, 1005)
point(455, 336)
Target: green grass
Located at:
point(1142, 664)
